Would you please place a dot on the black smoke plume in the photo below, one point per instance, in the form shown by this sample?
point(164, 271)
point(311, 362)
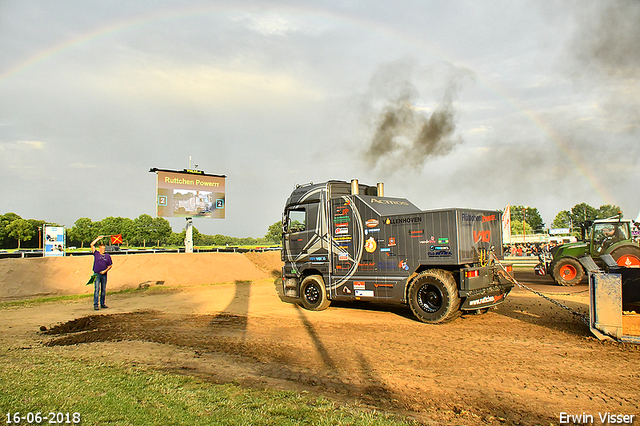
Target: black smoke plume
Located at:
point(607, 46)
point(608, 37)
point(405, 134)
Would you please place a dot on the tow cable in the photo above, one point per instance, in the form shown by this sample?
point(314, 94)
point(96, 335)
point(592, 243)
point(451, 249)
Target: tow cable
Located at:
point(577, 315)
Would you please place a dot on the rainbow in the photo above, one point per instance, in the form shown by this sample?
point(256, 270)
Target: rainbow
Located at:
point(306, 12)
point(574, 159)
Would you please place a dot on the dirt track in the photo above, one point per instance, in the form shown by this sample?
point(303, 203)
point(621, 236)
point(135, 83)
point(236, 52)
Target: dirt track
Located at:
point(522, 363)
point(52, 276)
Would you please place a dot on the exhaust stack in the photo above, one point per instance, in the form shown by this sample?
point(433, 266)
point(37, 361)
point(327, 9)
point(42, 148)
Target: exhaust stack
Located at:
point(380, 189)
point(355, 190)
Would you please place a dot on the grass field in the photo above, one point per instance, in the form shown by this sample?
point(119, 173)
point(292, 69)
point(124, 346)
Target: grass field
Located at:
point(39, 380)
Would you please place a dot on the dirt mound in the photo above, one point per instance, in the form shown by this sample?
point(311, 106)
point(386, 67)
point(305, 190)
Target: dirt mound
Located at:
point(269, 261)
point(26, 278)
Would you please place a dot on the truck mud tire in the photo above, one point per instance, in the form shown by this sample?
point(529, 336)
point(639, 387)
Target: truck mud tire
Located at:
point(628, 256)
point(313, 293)
point(568, 272)
point(433, 297)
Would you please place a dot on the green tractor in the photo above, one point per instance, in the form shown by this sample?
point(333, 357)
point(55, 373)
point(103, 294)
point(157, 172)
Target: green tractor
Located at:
point(606, 236)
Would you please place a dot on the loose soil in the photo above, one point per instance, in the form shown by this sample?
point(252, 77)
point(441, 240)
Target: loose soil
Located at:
point(523, 362)
point(54, 276)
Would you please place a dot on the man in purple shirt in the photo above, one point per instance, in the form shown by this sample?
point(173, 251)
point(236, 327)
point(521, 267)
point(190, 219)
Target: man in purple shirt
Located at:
point(101, 265)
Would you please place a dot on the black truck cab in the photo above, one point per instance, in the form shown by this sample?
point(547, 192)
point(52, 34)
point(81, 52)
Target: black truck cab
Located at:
point(347, 241)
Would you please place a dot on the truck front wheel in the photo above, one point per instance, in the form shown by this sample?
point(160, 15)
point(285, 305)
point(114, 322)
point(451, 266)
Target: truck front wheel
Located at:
point(433, 297)
point(313, 293)
point(568, 272)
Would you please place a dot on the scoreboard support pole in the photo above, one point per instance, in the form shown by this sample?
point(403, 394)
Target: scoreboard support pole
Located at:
point(188, 239)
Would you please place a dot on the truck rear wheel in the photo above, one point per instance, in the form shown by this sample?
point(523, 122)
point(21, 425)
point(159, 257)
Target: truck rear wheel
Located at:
point(628, 256)
point(313, 293)
point(568, 271)
point(433, 296)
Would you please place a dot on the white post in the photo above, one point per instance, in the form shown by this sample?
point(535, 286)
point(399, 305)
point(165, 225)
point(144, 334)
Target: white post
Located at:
point(188, 239)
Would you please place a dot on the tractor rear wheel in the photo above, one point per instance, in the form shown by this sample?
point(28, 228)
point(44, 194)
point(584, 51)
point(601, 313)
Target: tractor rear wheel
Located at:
point(568, 271)
point(433, 297)
point(628, 256)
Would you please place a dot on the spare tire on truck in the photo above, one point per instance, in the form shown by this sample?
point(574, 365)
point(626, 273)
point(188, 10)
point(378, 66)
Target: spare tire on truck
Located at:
point(568, 271)
point(433, 296)
point(628, 256)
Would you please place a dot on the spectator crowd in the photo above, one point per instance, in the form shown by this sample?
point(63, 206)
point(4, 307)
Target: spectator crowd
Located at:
point(527, 249)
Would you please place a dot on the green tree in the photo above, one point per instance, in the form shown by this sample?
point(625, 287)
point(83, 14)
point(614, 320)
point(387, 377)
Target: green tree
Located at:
point(36, 226)
point(248, 241)
point(160, 230)
point(531, 217)
point(608, 210)
point(221, 240)
point(274, 234)
point(21, 230)
point(116, 225)
point(562, 220)
point(207, 240)
point(84, 230)
point(581, 213)
point(178, 237)
point(142, 230)
point(197, 237)
point(5, 220)
point(516, 228)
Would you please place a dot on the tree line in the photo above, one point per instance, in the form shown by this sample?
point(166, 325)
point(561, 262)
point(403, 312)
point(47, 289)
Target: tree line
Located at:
point(143, 231)
point(581, 213)
point(147, 231)
point(530, 218)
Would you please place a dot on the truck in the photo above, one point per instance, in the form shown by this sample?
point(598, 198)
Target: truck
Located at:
point(611, 236)
point(192, 202)
point(346, 241)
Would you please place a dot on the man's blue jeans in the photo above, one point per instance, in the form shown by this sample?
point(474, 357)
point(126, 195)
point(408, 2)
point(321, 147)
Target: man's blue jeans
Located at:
point(99, 290)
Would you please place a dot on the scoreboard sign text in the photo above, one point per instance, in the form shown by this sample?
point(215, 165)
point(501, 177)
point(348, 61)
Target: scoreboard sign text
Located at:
point(189, 194)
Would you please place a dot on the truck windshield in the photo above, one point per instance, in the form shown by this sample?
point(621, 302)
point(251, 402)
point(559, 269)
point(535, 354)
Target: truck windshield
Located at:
point(296, 220)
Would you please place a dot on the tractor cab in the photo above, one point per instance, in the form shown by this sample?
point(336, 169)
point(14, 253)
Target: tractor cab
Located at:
point(605, 234)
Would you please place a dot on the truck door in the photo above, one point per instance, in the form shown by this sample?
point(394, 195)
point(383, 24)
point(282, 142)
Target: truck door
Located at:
point(302, 234)
point(296, 233)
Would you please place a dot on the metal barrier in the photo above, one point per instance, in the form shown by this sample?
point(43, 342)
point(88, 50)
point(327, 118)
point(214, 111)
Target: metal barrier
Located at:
point(38, 253)
point(522, 260)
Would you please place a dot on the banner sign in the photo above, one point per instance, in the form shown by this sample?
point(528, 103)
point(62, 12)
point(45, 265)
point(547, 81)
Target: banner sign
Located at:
point(54, 244)
point(506, 225)
point(190, 193)
point(557, 231)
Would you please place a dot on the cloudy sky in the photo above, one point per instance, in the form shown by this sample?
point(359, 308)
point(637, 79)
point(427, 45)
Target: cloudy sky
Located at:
point(450, 104)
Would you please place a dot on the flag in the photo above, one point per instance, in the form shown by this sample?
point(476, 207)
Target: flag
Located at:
point(506, 225)
point(116, 239)
point(92, 279)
